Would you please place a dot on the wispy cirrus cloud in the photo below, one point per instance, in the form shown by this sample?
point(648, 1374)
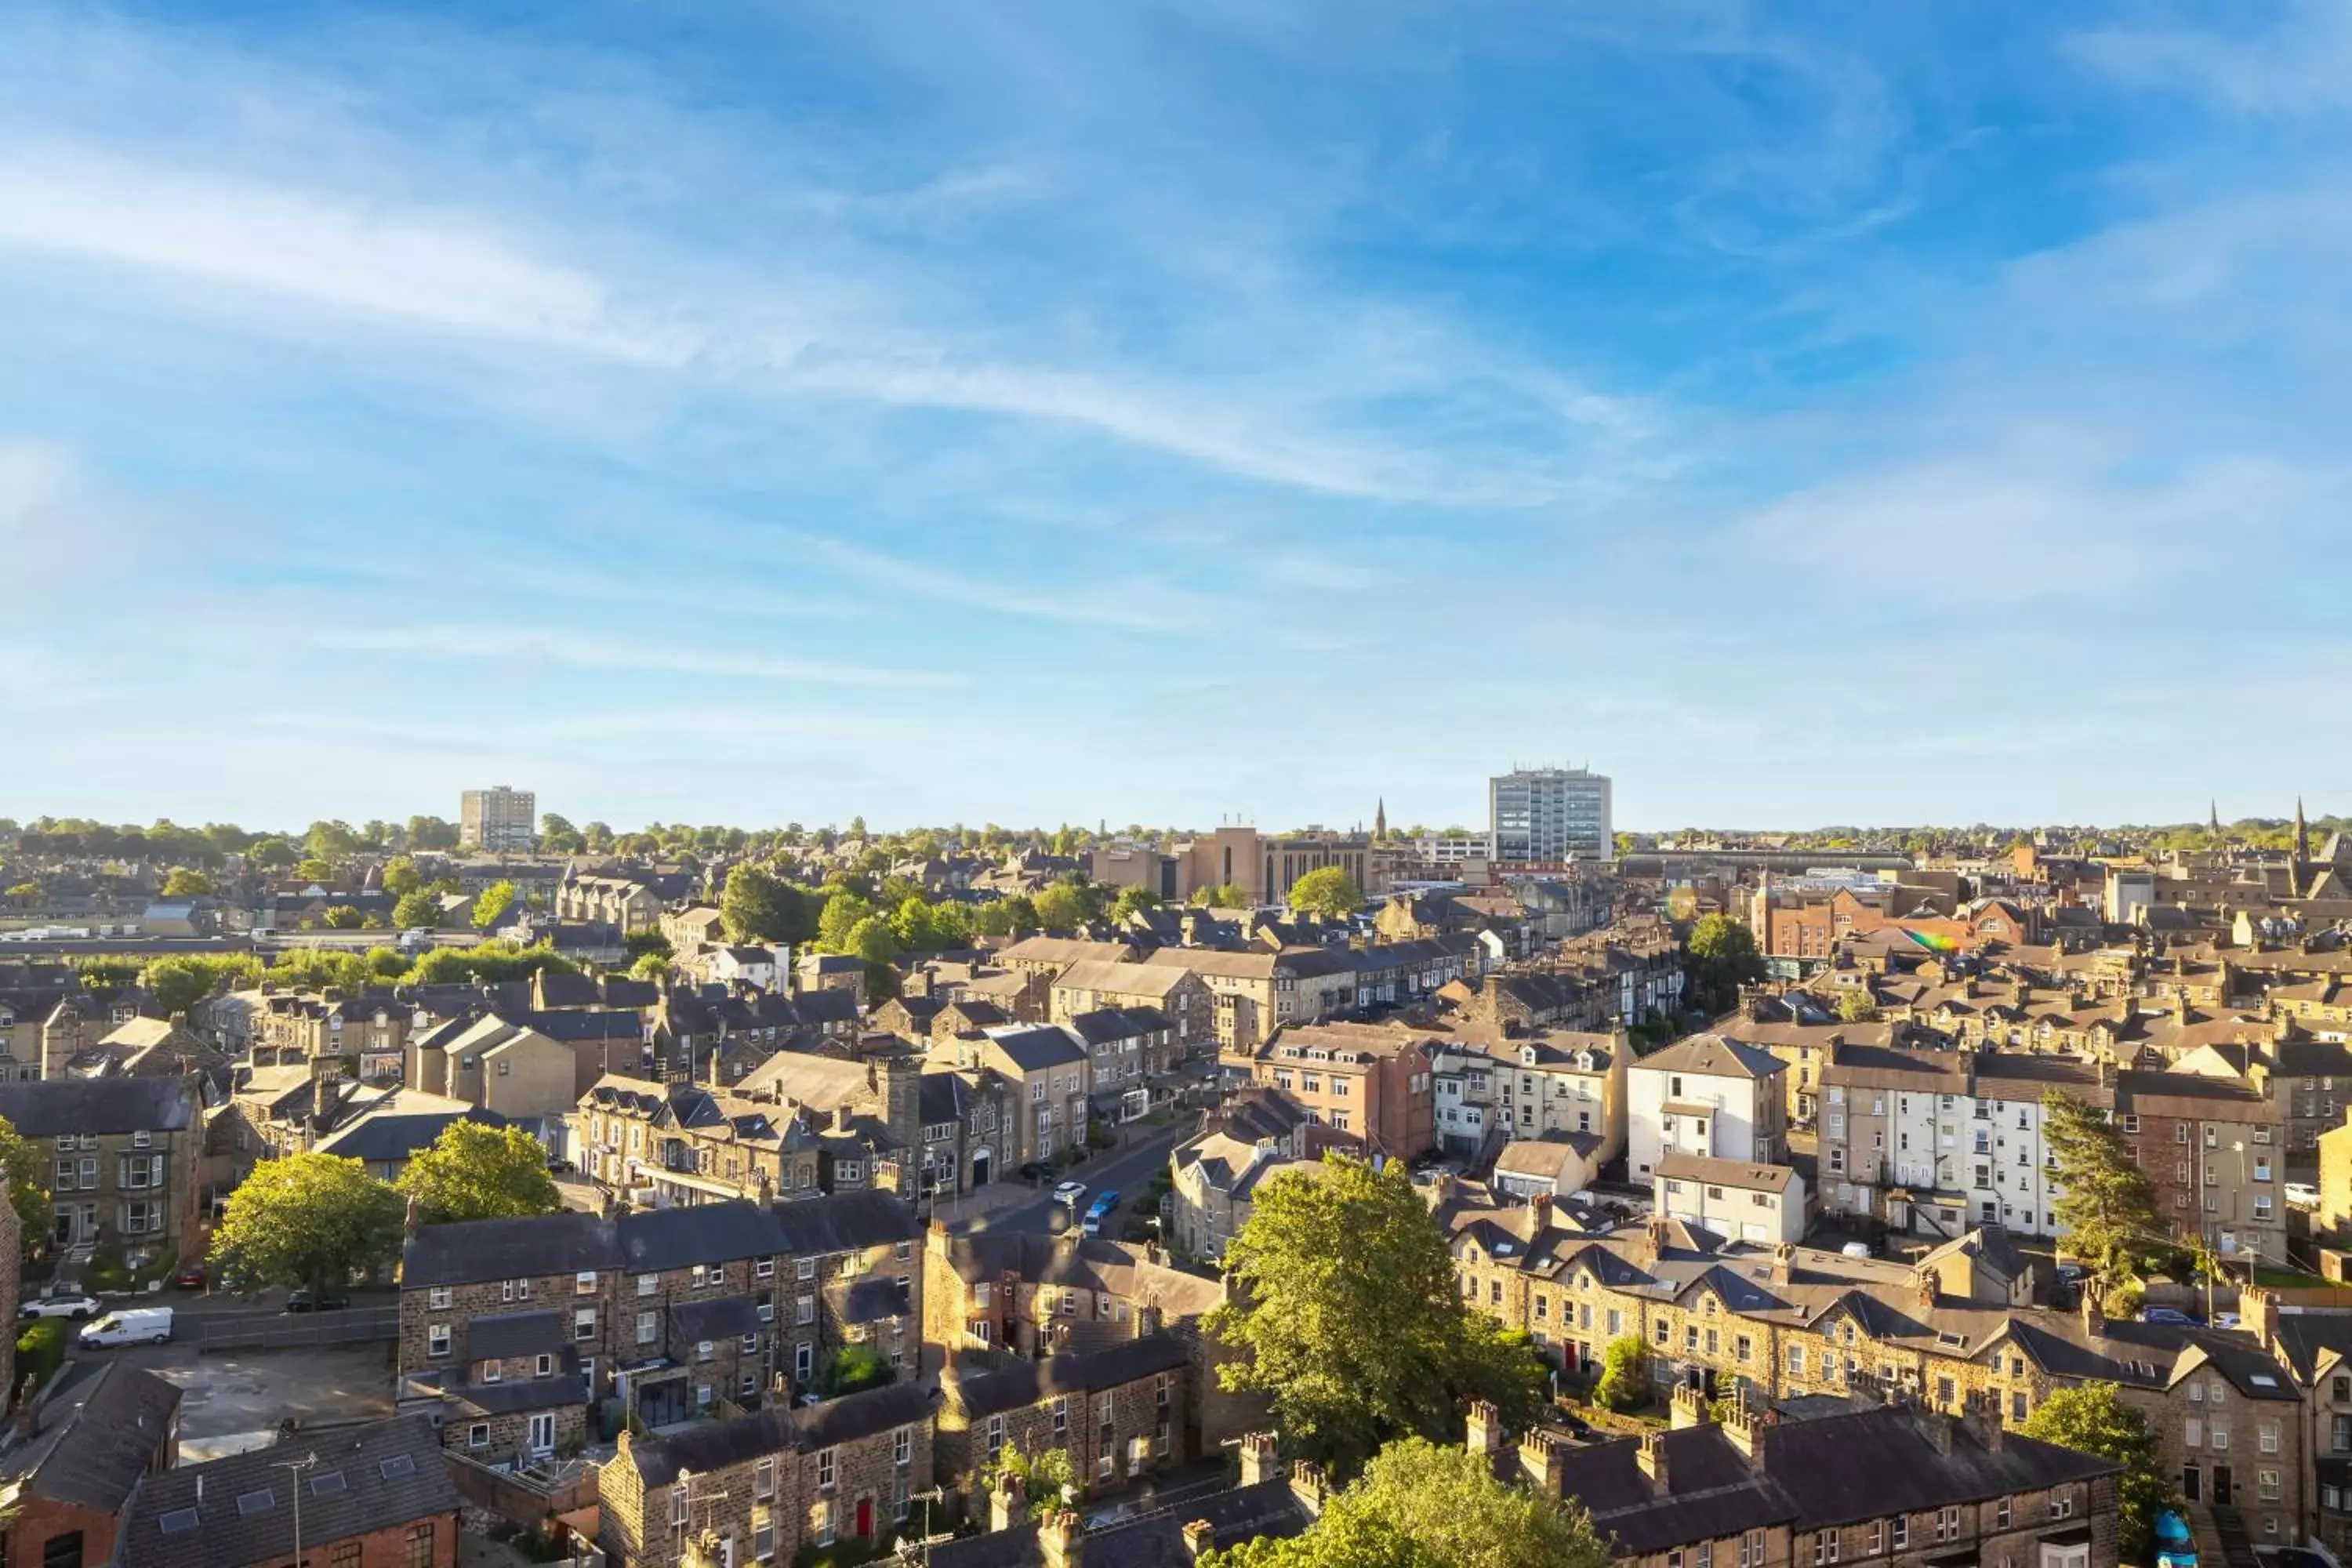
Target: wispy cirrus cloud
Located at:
point(2302, 64)
point(477, 642)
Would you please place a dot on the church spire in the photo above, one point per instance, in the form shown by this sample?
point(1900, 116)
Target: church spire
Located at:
point(2213, 818)
point(1381, 819)
point(2301, 834)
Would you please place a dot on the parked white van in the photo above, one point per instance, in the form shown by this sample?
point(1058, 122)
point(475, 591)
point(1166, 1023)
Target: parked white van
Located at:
point(133, 1326)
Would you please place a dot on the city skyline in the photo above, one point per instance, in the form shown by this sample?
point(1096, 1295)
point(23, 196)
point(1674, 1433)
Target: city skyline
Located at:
point(1874, 418)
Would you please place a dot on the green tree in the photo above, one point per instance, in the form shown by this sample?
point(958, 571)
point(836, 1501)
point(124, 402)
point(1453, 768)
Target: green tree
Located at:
point(1857, 1006)
point(640, 944)
point(401, 877)
point(181, 981)
point(1131, 901)
point(186, 882)
point(1425, 1505)
point(1362, 1343)
point(1625, 1382)
point(343, 917)
point(26, 1167)
point(272, 854)
point(843, 914)
point(431, 833)
point(1328, 891)
point(312, 868)
point(648, 967)
point(311, 1219)
point(329, 840)
point(2093, 1418)
point(1224, 895)
point(1044, 1476)
point(492, 906)
point(1722, 959)
point(1067, 905)
point(1006, 917)
point(757, 905)
point(420, 908)
point(2106, 1204)
point(476, 1171)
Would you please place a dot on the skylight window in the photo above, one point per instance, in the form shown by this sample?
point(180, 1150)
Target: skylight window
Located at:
point(252, 1503)
point(179, 1521)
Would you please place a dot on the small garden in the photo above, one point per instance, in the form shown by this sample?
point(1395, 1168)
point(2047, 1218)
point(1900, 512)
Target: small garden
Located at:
point(108, 1272)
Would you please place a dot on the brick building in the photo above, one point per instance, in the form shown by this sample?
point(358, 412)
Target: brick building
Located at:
point(672, 1310)
point(372, 1497)
point(2215, 1149)
point(1117, 1410)
point(123, 1157)
point(1896, 1485)
point(1370, 1081)
point(759, 1488)
point(75, 1457)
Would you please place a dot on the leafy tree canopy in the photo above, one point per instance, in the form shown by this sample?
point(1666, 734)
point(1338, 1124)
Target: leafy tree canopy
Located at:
point(492, 906)
point(2106, 1204)
point(1367, 1342)
point(26, 1167)
point(1425, 1505)
point(401, 877)
point(310, 1219)
point(1043, 1477)
point(842, 914)
point(1722, 959)
point(2093, 1418)
point(1328, 891)
point(476, 1171)
point(418, 909)
point(186, 882)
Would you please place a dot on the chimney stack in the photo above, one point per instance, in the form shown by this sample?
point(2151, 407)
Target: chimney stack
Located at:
point(1309, 1485)
point(1746, 1427)
point(1008, 1505)
point(1483, 1430)
point(2094, 1322)
point(1200, 1540)
point(1062, 1539)
point(1259, 1464)
point(1652, 1458)
point(1689, 1408)
point(1544, 1459)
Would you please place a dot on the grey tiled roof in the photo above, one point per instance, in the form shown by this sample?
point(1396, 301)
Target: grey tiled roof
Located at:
point(392, 1474)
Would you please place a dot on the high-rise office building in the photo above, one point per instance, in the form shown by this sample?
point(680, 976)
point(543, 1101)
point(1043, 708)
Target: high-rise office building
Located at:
point(1549, 815)
point(498, 819)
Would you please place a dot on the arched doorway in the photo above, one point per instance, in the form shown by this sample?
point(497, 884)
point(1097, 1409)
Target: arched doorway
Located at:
point(981, 1161)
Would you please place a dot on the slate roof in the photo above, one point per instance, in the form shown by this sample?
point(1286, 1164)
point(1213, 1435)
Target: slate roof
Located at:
point(105, 1106)
point(1269, 1511)
point(874, 1300)
point(726, 1318)
point(658, 1239)
point(402, 1124)
point(1025, 1382)
point(534, 1246)
point(98, 1430)
point(1037, 1047)
point(844, 1222)
point(778, 1429)
point(515, 1333)
point(391, 1471)
point(1717, 1056)
point(517, 1394)
point(1838, 1470)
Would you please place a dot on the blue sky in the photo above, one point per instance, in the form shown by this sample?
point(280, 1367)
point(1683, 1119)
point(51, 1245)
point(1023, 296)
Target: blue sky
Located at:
point(1045, 412)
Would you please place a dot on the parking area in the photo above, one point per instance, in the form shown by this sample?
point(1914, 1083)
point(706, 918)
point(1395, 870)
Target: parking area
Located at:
point(234, 1400)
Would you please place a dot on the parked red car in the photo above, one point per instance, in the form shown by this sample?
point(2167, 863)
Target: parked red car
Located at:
point(190, 1277)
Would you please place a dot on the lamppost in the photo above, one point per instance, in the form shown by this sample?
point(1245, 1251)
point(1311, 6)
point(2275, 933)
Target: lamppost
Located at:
point(295, 1470)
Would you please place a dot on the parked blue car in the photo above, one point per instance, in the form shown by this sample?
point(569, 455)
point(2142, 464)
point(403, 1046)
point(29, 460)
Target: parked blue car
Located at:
point(1099, 1212)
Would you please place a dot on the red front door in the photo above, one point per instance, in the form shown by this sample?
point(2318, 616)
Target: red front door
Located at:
point(865, 1517)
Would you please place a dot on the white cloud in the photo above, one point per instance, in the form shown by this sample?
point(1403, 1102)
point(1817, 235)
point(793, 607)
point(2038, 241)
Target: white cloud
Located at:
point(493, 643)
point(1133, 606)
point(440, 271)
point(2302, 66)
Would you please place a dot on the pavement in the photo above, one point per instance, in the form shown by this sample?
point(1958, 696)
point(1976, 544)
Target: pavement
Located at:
point(1128, 1169)
point(232, 1401)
